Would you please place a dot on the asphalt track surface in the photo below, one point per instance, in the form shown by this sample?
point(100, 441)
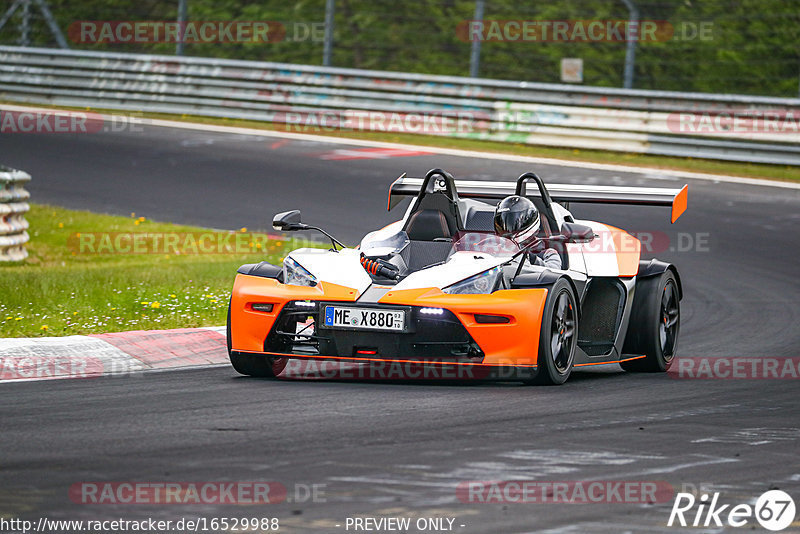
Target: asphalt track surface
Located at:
point(402, 448)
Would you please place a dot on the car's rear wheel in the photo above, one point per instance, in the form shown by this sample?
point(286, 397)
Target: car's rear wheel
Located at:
point(558, 336)
point(655, 324)
point(253, 364)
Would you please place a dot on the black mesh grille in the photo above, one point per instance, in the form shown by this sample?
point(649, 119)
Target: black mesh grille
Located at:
point(434, 337)
point(602, 311)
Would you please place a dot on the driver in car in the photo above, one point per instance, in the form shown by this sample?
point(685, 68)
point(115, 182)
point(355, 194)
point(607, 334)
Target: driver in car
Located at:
point(518, 219)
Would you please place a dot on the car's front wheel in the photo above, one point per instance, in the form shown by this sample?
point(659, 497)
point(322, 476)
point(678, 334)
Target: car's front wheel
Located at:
point(253, 364)
point(558, 336)
point(258, 366)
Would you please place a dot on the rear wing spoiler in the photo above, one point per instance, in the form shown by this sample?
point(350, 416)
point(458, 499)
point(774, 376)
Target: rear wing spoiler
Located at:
point(676, 199)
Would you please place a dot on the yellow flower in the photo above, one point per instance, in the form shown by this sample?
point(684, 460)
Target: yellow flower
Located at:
point(142, 219)
point(44, 327)
point(214, 301)
point(173, 296)
point(74, 313)
point(112, 309)
point(136, 222)
point(155, 305)
point(133, 215)
point(145, 303)
point(243, 229)
point(61, 225)
point(18, 319)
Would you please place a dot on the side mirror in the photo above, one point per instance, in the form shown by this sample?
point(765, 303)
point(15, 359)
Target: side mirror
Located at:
point(576, 233)
point(288, 221)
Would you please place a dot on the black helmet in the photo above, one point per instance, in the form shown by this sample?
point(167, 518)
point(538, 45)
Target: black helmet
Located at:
point(516, 218)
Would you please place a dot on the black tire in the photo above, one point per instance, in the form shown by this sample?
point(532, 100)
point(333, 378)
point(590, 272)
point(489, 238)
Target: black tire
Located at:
point(251, 364)
point(654, 325)
point(558, 337)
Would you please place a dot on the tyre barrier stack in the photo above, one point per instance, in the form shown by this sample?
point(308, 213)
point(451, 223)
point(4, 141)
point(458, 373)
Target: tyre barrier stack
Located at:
point(13, 226)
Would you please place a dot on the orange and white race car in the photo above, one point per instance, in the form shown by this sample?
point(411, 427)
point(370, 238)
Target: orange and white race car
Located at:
point(442, 287)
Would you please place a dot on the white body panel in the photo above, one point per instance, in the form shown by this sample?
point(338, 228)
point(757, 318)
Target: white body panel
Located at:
point(342, 268)
point(460, 266)
point(575, 255)
point(600, 254)
point(561, 213)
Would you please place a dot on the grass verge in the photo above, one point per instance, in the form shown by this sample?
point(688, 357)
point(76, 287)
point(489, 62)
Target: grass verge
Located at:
point(67, 286)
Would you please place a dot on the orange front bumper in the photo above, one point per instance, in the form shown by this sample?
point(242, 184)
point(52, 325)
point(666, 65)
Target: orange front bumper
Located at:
point(514, 343)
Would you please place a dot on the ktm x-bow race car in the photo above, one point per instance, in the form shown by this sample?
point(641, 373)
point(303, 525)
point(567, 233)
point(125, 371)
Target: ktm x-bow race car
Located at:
point(443, 287)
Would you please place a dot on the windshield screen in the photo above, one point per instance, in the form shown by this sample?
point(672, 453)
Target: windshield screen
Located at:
point(485, 243)
point(379, 244)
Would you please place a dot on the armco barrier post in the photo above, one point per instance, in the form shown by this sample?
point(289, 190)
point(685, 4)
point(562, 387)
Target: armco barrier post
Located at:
point(13, 226)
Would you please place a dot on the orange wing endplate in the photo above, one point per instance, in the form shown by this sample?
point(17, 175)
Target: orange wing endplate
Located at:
point(680, 202)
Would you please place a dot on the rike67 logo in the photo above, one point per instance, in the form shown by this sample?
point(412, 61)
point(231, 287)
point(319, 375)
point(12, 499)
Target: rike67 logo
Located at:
point(774, 510)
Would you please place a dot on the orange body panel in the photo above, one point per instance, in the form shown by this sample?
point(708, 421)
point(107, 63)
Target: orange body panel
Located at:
point(515, 343)
point(629, 250)
point(250, 328)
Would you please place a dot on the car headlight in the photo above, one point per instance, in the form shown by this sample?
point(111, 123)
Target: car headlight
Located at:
point(482, 283)
point(296, 275)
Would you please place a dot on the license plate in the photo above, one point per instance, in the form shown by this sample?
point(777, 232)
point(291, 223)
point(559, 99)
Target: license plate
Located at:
point(365, 318)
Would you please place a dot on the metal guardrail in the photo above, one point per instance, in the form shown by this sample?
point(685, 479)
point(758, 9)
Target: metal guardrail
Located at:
point(13, 226)
point(521, 112)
